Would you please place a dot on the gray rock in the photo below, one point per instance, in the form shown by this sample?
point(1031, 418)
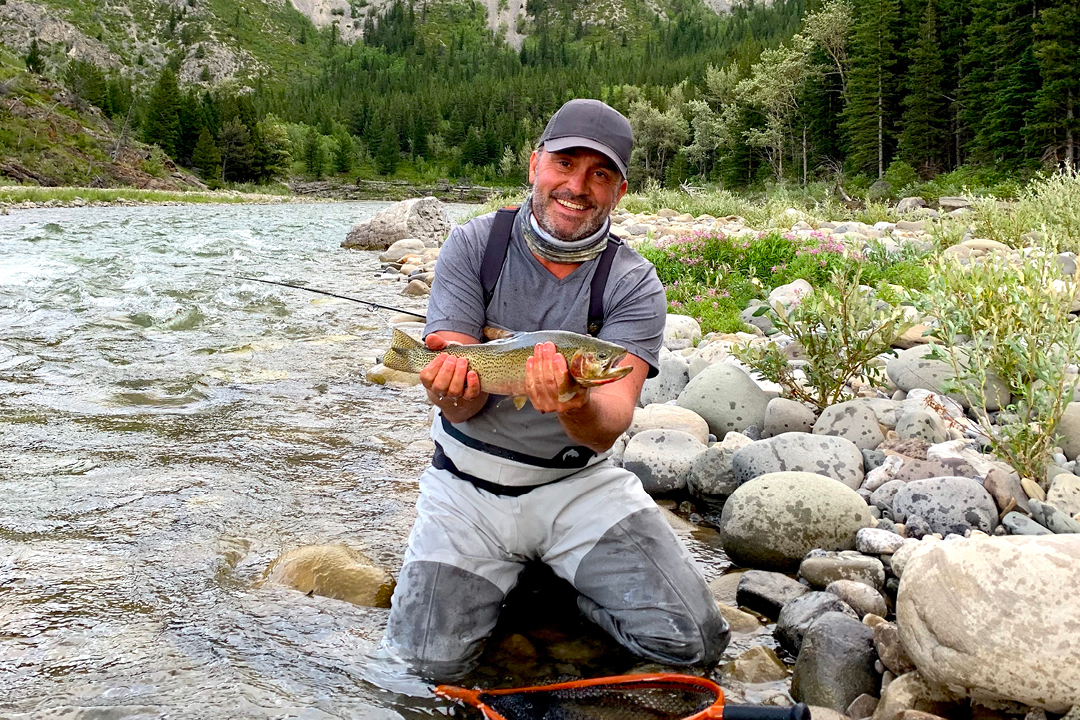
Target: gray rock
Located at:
point(1007, 598)
point(669, 417)
point(822, 567)
point(911, 693)
point(401, 248)
point(711, 475)
point(1005, 487)
point(872, 459)
point(836, 663)
point(1069, 430)
point(873, 541)
point(889, 649)
point(727, 398)
point(1018, 524)
point(783, 415)
point(762, 322)
point(661, 458)
point(706, 355)
point(862, 598)
point(938, 467)
point(680, 331)
point(917, 527)
point(948, 204)
point(671, 380)
point(1053, 519)
point(922, 425)
point(884, 495)
point(862, 707)
point(853, 421)
point(909, 204)
point(911, 369)
point(773, 521)
point(827, 455)
point(799, 614)
point(421, 218)
point(948, 504)
point(1064, 493)
point(1067, 261)
point(767, 593)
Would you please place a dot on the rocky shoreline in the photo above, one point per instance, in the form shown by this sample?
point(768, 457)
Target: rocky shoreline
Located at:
point(903, 570)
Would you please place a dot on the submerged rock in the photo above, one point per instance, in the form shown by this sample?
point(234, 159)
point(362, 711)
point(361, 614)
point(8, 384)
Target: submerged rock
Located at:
point(333, 571)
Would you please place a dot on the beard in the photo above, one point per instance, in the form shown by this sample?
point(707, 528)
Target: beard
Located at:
point(542, 209)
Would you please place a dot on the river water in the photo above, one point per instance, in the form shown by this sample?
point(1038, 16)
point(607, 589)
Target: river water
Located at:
point(167, 431)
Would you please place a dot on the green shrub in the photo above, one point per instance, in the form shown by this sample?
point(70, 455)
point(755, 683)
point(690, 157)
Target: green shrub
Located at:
point(901, 177)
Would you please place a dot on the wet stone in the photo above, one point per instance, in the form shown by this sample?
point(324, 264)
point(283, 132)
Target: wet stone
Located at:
point(799, 614)
point(757, 665)
point(947, 504)
point(767, 592)
point(836, 663)
point(822, 567)
point(862, 598)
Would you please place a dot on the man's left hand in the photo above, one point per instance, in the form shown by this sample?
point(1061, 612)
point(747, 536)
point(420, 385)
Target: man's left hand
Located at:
point(547, 379)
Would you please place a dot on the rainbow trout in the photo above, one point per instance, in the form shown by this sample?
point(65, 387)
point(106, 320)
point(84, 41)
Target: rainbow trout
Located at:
point(500, 364)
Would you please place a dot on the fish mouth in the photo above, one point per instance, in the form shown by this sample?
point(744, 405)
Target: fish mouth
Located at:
point(609, 372)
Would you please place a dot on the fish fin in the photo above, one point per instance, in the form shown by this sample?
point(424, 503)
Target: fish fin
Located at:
point(401, 340)
point(569, 395)
point(396, 358)
point(519, 401)
point(494, 333)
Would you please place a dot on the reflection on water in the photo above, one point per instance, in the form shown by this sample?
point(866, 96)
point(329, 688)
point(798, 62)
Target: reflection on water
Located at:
point(167, 432)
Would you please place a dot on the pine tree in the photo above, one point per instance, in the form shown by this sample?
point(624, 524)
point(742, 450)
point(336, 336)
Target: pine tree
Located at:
point(35, 61)
point(206, 157)
point(924, 138)
point(314, 158)
point(237, 151)
point(344, 151)
point(388, 154)
point(161, 125)
point(870, 110)
point(1057, 104)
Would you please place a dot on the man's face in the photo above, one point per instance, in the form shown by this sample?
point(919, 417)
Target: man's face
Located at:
point(574, 191)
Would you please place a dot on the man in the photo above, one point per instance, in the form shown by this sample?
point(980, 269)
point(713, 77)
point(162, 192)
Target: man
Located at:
point(509, 485)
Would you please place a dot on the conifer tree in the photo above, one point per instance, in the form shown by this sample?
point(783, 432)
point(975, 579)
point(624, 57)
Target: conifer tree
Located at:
point(924, 137)
point(161, 125)
point(35, 61)
point(1057, 111)
point(206, 157)
point(344, 151)
point(870, 111)
point(387, 156)
point(237, 152)
point(314, 158)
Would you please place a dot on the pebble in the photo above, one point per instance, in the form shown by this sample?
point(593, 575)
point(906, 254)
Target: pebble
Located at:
point(862, 598)
point(874, 541)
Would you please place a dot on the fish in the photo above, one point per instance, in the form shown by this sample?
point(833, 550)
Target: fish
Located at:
point(500, 364)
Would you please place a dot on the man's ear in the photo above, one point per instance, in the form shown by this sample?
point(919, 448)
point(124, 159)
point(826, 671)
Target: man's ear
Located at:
point(619, 193)
point(533, 159)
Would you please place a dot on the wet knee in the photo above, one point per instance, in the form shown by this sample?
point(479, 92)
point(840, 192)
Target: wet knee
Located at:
point(688, 640)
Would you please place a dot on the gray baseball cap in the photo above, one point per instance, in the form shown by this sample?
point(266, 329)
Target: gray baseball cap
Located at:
point(590, 124)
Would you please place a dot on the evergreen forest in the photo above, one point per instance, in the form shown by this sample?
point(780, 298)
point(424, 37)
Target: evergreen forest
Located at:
point(796, 91)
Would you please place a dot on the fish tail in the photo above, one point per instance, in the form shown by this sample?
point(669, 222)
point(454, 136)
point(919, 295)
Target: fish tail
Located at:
point(403, 353)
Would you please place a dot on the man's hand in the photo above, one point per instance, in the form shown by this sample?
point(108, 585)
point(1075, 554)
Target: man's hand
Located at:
point(547, 379)
point(449, 383)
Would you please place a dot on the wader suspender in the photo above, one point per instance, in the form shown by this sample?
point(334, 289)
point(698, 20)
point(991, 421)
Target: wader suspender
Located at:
point(495, 256)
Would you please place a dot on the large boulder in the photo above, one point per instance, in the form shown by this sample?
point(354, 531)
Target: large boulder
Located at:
point(853, 421)
point(727, 398)
point(912, 369)
point(948, 504)
point(661, 458)
point(836, 663)
point(669, 382)
point(995, 618)
point(826, 455)
point(711, 477)
point(773, 521)
point(422, 218)
point(670, 417)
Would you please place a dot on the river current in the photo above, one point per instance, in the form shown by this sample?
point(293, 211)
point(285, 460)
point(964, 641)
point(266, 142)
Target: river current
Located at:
point(166, 431)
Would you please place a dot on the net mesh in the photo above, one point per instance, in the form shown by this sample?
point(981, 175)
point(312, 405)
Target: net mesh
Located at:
point(655, 701)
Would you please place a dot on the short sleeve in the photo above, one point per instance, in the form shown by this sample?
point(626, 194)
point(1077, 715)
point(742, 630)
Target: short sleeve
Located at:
point(637, 313)
point(457, 297)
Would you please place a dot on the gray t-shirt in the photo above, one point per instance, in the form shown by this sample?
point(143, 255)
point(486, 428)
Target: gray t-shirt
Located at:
point(528, 298)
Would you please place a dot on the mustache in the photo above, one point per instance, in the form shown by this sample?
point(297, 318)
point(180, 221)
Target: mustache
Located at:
point(570, 197)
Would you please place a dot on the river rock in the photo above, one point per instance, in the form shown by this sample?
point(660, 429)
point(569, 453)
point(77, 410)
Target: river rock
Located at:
point(706, 355)
point(766, 593)
point(948, 504)
point(790, 294)
point(889, 649)
point(835, 664)
point(822, 567)
point(739, 622)
point(927, 469)
point(681, 331)
point(727, 398)
point(783, 415)
point(711, 475)
point(1005, 488)
point(421, 218)
point(773, 521)
point(899, 560)
point(873, 541)
point(333, 571)
point(671, 417)
point(1053, 519)
point(724, 588)
point(827, 455)
point(1069, 430)
point(416, 288)
point(912, 369)
point(909, 204)
point(1018, 524)
point(661, 458)
point(402, 248)
point(995, 618)
point(883, 497)
point(913, 692)
point(797, 616)
point(922, 425)
point(862, 598)
point(1064, 493)
point(382, 375)
point(669, 382)
point(853, 421)
point(759, 664)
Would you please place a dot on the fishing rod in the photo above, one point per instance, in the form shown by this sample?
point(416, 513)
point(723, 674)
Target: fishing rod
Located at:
point(340, 297)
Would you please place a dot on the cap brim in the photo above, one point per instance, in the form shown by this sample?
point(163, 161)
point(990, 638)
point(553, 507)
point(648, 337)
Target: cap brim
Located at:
point(565, 143)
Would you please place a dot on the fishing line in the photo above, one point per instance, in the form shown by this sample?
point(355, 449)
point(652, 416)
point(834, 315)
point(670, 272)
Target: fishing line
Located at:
point(335, 295)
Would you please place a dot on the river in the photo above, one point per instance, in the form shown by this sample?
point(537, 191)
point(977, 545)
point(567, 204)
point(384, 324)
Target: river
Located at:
point(167, 431)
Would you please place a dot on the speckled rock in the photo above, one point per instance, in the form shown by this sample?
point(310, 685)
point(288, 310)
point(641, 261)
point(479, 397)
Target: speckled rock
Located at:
point(1018, 524)
point(783, 415)
point(882, 498)
point(862, 598)
point(1064, 493)
point(670, 381)
point(926, 469)
point(706, 355)
point(767, 592)
point(922, 425)
point(822, 567)
point(873, 541)
point(669, 417)
point(681, 331)
point(948, 504)
point(773, 521)
point(797, 616)
point(727, 398)
point(911, 369)
point(661, 458)
point(830, 456)
point(1006, 598)
point(836, 663)
point(1069, 429)
point(853, 421)
point(711, 475)
point(1053, 519)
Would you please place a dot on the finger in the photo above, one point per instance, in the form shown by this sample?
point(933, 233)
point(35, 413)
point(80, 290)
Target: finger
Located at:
point(431, 370)
point(456, 386)
point(446, 374)
point(434, 342)
point(472, 385)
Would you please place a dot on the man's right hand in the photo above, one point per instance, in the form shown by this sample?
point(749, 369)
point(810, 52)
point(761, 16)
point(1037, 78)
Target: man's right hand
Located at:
point(450, 384)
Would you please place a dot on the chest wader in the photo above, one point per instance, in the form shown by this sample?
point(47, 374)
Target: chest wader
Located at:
point(572, 457)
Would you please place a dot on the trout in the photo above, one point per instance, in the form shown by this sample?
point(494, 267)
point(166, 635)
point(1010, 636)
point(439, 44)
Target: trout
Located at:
point(500, 364)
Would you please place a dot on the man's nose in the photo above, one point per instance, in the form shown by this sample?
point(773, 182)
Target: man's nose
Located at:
point(578, 181)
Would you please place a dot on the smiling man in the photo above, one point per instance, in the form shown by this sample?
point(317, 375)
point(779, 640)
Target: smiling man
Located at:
point(507, 485)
